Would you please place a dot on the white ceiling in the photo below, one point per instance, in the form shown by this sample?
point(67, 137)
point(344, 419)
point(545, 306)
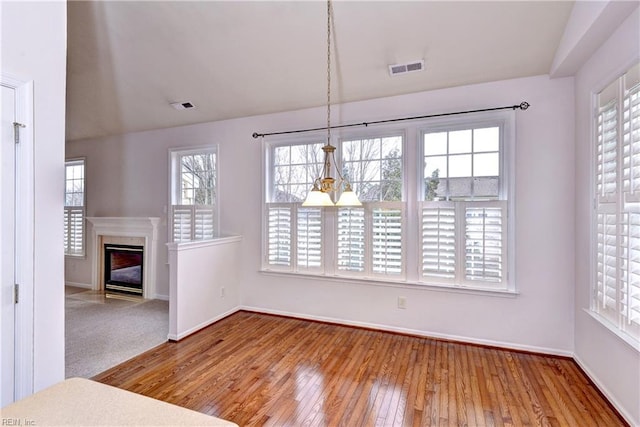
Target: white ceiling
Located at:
point(128, 60)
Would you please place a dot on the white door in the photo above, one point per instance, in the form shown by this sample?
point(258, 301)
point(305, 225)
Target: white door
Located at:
point(7, 243)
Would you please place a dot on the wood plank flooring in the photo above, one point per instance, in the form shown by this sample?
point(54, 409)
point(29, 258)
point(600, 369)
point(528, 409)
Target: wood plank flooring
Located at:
point(257, 369)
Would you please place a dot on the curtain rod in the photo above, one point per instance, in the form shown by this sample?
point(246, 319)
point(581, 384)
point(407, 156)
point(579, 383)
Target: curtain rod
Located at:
point(523, 106)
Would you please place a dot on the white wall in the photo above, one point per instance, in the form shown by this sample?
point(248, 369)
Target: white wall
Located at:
point(611, 362)
point(539, 318)
point(204, 283)
point(34, 48)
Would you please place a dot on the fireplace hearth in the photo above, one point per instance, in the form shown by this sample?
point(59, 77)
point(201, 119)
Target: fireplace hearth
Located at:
point(123, 268)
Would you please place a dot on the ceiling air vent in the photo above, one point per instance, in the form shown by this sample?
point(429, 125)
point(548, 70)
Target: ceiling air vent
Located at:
point(408, 67)
point(182, 105)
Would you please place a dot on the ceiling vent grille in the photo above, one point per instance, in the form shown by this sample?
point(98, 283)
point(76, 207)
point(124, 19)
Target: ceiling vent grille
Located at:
point(409, 67)
point(182, 105)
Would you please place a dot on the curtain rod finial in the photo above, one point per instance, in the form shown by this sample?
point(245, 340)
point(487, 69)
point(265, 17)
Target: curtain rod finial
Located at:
point(524, 105)
point(255, 135)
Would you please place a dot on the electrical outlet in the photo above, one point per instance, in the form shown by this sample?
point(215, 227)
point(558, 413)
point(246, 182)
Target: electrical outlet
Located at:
point(222, 293)
point(402, 302)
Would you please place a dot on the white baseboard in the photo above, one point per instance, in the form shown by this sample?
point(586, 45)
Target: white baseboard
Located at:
point(416, 332)
point(79, 285)
point(161, 297)
point(610, 397)
point(183, 334)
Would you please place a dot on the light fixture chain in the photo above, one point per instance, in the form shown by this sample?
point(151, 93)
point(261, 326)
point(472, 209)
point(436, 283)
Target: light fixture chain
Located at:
point(328, 71)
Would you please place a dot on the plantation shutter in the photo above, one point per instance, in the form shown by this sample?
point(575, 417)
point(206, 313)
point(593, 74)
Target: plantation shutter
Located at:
point(279, 231)
point(204, 222)
point(73, 230)
point(617, 282)
point(630, 290)
point(607, 263)
point(309, 238)
point(438, 240)
point(386, 241)
point(193, 222)
point(351, 239)
point(631, 136)
point(181, 223)
point(630, 239)
point(485, 243)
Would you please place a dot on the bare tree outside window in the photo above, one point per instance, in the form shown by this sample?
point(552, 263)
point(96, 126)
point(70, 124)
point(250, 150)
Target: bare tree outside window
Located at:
point(295, 167)
point(374, 168)
point(198, 173)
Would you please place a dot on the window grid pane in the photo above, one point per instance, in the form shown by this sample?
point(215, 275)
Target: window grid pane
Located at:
point(295, 167)
point(462, 164)
point(197, 179)
point(374, 168)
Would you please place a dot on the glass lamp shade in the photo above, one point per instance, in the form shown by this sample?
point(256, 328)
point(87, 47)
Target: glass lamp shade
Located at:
point(317, 198)
point(348, 198)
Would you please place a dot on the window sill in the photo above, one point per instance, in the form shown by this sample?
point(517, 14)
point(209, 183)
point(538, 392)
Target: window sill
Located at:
point(71, 256)
point(628, 339)
point(375, 281)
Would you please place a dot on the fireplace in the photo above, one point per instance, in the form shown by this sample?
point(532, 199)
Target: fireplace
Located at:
point(123, 268)
point(125, 231)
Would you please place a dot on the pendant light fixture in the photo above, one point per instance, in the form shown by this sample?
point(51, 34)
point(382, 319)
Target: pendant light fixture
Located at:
point(324, 185)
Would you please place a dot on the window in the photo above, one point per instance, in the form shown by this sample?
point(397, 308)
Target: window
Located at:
point(74, 208)
point(616, 295)
point(294, 233)
point(454, 212)
point(193, 194)
point(464, 208)
point(370, 241)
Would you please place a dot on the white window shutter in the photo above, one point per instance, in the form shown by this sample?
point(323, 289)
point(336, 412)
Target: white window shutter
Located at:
point(204, 222)
point(631, 144)
point(630, 289)
point(309, 238)
point(279, 231)
point(606, 178)
point(386, 241)
point(351, 239)
point(182, 221)
point(74, 230)
point(438, 240)
point(485, 230)
point(607, 262)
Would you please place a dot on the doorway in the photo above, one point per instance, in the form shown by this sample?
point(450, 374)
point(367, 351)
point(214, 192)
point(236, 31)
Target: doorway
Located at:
point(16, 239)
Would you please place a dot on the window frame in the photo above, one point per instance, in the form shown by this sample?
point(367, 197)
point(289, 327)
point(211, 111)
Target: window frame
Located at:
point(412, 189)
point(175, 188)
point(611, 204)
point(505, 120)
point(71, 162)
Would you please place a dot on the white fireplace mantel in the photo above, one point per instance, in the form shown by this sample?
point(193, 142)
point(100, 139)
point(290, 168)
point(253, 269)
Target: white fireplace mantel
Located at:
point(141, 227)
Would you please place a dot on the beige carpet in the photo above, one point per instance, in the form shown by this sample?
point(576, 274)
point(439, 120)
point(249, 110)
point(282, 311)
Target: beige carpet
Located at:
point(102, 332)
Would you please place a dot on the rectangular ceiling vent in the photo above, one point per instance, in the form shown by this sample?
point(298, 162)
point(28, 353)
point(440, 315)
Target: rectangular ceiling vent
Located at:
point(409, 67)
point(182, 105)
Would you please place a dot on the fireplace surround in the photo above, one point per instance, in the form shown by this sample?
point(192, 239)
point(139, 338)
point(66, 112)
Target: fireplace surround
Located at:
point(125, 231)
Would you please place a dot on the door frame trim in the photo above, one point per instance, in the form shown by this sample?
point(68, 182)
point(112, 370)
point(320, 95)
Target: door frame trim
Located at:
point(24, 235)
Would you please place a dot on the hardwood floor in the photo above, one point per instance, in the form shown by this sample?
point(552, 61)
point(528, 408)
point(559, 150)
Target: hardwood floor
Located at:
point(256, 369)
